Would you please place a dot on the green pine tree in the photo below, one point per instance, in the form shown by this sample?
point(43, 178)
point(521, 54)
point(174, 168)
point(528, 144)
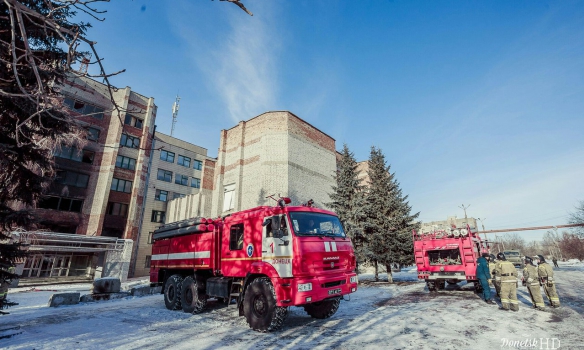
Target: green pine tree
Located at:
point(347, 199)
point(388, 223)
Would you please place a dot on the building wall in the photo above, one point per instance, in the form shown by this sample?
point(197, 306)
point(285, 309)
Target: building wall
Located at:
point(275, 153)
point(178, 147)
point(448, 223)
point(93, 219)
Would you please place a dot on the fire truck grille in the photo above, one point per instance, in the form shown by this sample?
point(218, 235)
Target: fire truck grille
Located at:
point(333, 284)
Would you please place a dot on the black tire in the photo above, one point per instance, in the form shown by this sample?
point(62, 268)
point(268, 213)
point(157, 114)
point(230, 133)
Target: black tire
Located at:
point(431, 286)
point(323, 309)
point(172, 290)
point(192, 296)
point(259, 306)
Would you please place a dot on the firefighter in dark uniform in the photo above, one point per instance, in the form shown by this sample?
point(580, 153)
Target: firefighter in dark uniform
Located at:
point(546, 279)
point(483, 274)
point(506, 275)
point(531, 281)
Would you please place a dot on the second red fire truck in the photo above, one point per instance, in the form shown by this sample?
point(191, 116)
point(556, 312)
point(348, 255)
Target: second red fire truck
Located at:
point(448, 256)
point(266, 258)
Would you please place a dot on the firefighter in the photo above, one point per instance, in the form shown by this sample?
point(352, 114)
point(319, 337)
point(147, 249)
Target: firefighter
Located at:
point(506, 275)
point(555, 261)
point(492, 263)
point(484, 275)
point(546, 279)
point(531, 281)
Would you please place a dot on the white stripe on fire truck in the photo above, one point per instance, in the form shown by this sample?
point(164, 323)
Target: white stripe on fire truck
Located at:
point(334, 246)
point(327, 247)
point(187, 255)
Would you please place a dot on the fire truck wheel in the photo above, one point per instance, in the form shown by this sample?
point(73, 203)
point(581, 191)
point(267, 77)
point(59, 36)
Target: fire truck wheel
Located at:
point(323, 309)
point(259, 306)
point(172, 290)
point(192, 297)
point(431, 286)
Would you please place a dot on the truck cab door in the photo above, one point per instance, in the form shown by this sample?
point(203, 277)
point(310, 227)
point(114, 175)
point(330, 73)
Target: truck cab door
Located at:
point(276, 251)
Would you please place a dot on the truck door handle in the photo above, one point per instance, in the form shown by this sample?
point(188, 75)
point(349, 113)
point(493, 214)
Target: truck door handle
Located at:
point(264, 251)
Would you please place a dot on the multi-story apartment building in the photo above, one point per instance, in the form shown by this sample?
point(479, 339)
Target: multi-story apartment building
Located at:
point(99, 190)
point(176, 170)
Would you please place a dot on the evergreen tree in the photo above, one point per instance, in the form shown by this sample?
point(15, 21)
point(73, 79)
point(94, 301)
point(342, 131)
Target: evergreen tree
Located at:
point(388, 223)
point(347, 199)
point(33, 122)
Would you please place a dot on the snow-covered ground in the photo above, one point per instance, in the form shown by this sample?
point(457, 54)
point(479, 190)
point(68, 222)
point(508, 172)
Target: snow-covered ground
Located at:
point(403, 315)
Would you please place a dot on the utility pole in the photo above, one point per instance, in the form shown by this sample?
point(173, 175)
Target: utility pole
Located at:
point(464, 208)
point(483, 225)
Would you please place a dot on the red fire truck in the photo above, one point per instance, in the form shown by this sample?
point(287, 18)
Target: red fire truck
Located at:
point(267, 258)
point(448, 256)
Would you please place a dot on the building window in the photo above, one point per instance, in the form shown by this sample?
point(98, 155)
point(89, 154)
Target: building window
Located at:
point(93, 134)
point(161, 195)
point(119, 209)
point(72, 178)
point(236, 237)
point(126, 162)
point(197, 164)
point(178, 195)
point(196, 183)
point(229, 197)
point(73, 153)
point(150, 237)
point(167, 156)
point(133, 121)
point(181, 180)
point(184, 161)
point(120, 185)
point(60, 203)
point(164, 175)
point(84, 108)
point(130, 141)
point(147, 261)
point(157, 216)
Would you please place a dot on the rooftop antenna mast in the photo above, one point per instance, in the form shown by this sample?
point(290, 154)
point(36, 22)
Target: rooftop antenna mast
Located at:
point(174, 114)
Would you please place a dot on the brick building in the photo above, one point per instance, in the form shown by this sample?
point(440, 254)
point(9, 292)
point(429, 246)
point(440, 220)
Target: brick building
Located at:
point(176, 171)
point(99, 190)
point(275, 153)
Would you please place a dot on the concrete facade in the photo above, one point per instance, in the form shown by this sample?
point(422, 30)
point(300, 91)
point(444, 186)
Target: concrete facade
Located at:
point(94, 195)
point(275, 153)
point(178, 159)
point(451, 222)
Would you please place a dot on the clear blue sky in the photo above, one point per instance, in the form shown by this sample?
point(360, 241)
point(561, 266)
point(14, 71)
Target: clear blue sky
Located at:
point(478, 103)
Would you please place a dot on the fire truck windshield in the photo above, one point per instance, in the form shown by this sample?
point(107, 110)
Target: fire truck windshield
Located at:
point(316, 224)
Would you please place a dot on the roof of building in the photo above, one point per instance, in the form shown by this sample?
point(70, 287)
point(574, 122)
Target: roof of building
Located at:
point(292, 114)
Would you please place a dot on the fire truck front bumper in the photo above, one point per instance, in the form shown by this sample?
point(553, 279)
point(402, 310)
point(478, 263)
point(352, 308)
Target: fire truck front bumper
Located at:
point(310, 290)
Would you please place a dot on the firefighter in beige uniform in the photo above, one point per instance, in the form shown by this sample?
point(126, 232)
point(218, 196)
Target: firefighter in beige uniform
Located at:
point(507, 276)
point(546, 278)
point(531, 281)
point(493, 280)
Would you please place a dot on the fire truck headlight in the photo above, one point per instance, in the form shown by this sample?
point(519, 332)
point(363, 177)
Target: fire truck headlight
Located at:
point(354, 279)
point(305, 287)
